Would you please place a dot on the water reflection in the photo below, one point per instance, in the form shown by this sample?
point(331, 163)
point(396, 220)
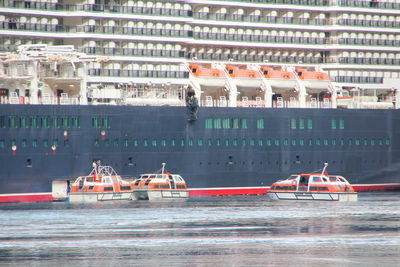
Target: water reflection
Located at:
point(204, 231)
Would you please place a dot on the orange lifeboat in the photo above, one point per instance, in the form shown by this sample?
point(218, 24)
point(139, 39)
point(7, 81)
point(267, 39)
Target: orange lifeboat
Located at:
point(102, 184)
point(208, 76)
point(243, 77)
point(313, 79)
point(313, 186)
point(278, 78)
point(159, 185)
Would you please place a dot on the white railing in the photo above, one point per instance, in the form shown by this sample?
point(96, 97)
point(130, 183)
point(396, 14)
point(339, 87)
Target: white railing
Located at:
point(45, 100)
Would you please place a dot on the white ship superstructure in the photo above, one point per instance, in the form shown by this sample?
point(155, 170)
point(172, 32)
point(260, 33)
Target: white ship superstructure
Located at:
point(277, 53)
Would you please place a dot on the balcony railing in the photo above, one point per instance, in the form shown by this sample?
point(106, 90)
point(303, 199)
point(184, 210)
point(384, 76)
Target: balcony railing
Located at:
point(132, 52)
point(369, 23)
point(138, 73)
point(358, 79)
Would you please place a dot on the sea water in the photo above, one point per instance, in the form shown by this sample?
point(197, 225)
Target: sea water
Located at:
point(216, 231)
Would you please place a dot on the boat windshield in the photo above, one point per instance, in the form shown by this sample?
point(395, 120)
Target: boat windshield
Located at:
point(292, 177)
point(144, 176)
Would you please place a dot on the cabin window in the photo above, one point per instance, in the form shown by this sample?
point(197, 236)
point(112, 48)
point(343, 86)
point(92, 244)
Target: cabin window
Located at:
point(106, 122)
point(317, 179)
point(309, 124)
point(235, 123)
point(75, 122)
point(173, 142)
point(12, 122)
point(209, 142)
point(260, 142)
point(342, 142)
point(380, 142)
point(208, 123)
point(2, 121)
point(301, 124)
point(54, 122)
point(2, 143)
point(317, 142)
point(244, 123)
point(387, 142)
point(217, 123)
point(341, 124)
point(285, 142)
point(182, 142)
point(24, 143)
point(252, 142)
point(333, 142)
point(153, 142)
point(126, 143)
point(46, 122)
point(326, 142)
point(310, 142)
point(244, 143)
point(34, 143)
point(293, 142)
point(190, 143)
point(200, 142)
point(218, 142)
point(23, 122)
point(95, 122)
point(301, 142)
point(226, 142)
point(365, 141)
point(277, 142)
point(260, 124)
point(65, 122)
point(145, 142)
point(46, 143)
point(350, 142)
point(269, 142)
point(372, 142)
point(226, 123)
point(293, 124)
point(357, 142)
point(163, 142)
point(235, 142)
point(34, 122)
point(333, 124)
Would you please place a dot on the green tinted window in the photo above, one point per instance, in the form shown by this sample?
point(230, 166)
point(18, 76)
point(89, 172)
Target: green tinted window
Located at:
point(244, 142)
point(260, 142)
point(342, 142)
point(2, 143)
point(350, 142)
point(217, 123)
point(46, 143)
point(226, 142)
point(106, 122)
point(153, 142)
point(333, 142)
point(387, 142)
point(95, 122)
point(301, 124)
point(285, 142)
point(310, 142)
point(341, 124)
point(46, 122)
point(23, 121)
point(277, 142)
point(365, 142)
point(173, 143)
point(182, 142)
point(24, 143)
point(235, 123)
point(269, 142)
point(326, 142)
point(12, 122)
point(190, 143)
point(208, 123)
point(126, 143)
point(244, 123)
point(65, 122)
point(226, 123)
point(301, 142)
point(75, 122)
point(34, 122)
point(380, 142)
point(200, 142)
point(293, 124)
point(318, 142)
point(34, 143)
point(235, 142)
point(163, 142)
point(309, 124)
point(333, 124)
point(2, 121)
point(145, 142)
point(260, 124)
point(209, 142)
point(372, 142)
point(294, 142)
point(357, 142)
point(218, 142)
point(135, 143)
point(54, 122)
point(252, 142)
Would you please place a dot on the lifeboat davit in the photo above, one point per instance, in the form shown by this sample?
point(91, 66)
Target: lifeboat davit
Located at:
point(102, 184)
point(208, 76)
point(159, 185)
point(313, 186)
point(278, 78)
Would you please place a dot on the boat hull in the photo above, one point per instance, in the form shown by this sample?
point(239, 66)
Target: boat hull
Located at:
point(313, 196)
point(89, 197)
point(159, 194)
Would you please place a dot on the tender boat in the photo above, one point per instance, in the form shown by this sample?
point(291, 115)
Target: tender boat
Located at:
point(159, 185)
point(313, 186)
point(102, 184)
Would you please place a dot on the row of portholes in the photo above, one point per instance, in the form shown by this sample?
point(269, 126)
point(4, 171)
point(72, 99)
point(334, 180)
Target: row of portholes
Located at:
point(286, 162)
point(243, 142)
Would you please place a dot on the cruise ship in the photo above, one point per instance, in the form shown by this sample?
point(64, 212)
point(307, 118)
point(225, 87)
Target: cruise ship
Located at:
point(280, 86)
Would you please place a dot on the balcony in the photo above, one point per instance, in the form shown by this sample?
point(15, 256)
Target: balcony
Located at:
point(132, 52)
point(358, 79)
point(138, 73)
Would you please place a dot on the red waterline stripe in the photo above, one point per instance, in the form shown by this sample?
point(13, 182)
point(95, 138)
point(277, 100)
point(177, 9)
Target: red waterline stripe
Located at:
point(28, 197)
point(228, 191)
point(377, 187)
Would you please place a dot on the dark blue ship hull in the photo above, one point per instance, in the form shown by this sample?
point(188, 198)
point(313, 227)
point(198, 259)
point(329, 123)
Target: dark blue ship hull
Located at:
point(224, 147)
